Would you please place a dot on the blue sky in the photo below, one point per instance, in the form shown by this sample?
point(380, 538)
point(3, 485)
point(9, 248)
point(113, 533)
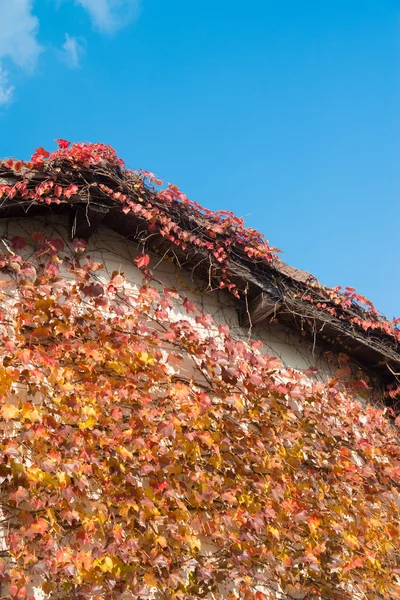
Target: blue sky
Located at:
point(284, 111)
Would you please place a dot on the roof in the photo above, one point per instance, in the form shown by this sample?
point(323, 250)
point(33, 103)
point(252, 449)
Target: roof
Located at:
point(91, 184)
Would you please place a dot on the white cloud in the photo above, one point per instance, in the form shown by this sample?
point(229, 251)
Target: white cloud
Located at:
point(6, 90)
point(19, 45)
point(18, 41)
point(73, 50)
point(18, 33)
point(110, 15)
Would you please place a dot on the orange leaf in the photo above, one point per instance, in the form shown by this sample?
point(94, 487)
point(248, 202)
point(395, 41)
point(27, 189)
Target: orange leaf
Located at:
point(9, 411)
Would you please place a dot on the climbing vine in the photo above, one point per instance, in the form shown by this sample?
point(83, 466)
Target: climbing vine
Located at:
point(144, 454)
point(94, 173)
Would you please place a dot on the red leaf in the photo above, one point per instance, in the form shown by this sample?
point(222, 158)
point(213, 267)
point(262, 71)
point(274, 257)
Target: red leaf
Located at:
point(40, 154)
point(18, 243)
point(62, 144)
point(20, 495)
point(117, 414)
point(93, 290)
point(21, 593)
point(189, 306)
point(25, 356)
point(142, 260)
point(71, 190)
point(205, 320)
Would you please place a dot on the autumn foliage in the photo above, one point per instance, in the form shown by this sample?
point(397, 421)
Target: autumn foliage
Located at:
point(122, 479)
point(94, 174)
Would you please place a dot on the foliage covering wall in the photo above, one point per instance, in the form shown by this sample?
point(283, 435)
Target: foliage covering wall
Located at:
point(121, 481)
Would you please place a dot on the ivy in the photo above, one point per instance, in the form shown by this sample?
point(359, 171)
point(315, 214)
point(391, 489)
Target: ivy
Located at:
point(125, 475)
point(61, 177)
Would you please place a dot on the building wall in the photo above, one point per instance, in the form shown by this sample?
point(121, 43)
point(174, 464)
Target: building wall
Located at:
point(117, 254)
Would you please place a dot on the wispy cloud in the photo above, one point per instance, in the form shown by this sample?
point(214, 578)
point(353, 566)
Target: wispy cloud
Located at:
point(73, 50)
point(18, 40)
point(18, 33)
point(111, 15)
point(6, 90)
point(19, 28)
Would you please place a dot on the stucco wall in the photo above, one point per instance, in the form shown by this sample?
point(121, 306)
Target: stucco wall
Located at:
point(117, 254)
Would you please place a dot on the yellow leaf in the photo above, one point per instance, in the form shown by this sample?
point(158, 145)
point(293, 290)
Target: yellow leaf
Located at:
point(63, 478)
point(238, 403)
point(61, 327)
point(351, 540)
point(5, 381)
point(146, 358)
point(149, 493)
point(117, 367)
point(275, 533)
point(161, 541)
point(51, 516)
point(124, 453)
point(31, 413)
point(9, 411)
point(101, 517)
point(89, 411)
point(44, 304)
point(88, 424)
point(194, 543)
point(107, 565)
